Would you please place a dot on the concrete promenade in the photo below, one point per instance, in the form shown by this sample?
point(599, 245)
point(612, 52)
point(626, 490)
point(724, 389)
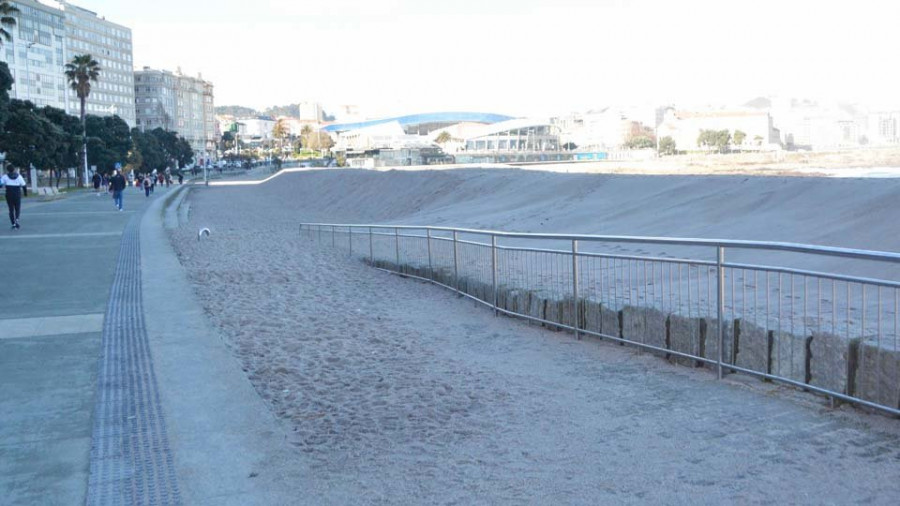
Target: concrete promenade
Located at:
point(78, 423)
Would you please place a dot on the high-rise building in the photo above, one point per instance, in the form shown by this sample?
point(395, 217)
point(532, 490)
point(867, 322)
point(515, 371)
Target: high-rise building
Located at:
point(110, 44)
point(177, 102)
point(154, 99)
point(48, 35)
point(36, 54)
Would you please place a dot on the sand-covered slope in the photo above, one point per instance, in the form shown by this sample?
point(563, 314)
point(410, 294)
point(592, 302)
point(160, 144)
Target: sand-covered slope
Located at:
point(855, 213)
point(861, 213)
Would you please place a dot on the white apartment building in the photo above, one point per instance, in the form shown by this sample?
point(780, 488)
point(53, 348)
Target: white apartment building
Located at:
point(884, 128)
point(684, 127)
point(110, 44)
point(256, 129)
point(180, 103)
point(36, 55)
point(310, 111)
point(602, 129)
point(48, 35)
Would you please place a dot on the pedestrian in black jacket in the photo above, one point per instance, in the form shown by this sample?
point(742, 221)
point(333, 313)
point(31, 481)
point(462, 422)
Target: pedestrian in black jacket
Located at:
point(15, 188)
point(118, 187)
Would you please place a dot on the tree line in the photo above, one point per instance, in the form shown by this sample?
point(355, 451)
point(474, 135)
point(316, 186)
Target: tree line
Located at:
point(50, 139)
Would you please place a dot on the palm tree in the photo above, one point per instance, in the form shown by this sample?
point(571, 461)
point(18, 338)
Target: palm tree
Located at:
point(280, 131)
point(80, 72)
point(7, 20)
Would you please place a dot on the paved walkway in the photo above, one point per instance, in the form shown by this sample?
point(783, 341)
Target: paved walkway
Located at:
point(91, 407)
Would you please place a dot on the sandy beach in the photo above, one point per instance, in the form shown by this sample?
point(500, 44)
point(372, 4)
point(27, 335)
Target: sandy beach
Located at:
point(398, 392)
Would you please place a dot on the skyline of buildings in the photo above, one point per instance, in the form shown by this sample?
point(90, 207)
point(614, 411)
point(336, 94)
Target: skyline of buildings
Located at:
point(46, 37)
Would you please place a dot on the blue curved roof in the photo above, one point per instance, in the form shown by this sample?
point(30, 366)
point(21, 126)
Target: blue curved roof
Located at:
point(416, 119)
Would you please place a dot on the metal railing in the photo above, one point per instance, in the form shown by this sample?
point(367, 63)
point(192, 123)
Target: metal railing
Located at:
point(834, 331)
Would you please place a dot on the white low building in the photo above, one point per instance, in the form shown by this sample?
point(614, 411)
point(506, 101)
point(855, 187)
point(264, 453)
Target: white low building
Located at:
point(684, 127)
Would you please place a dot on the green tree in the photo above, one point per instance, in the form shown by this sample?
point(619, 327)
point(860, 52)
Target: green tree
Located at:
point(443, 137)
point(739, 137)
point(109, 140)
point(135, 159)
point(6, 82)
point(227, 141)
point(667, 146)
point(152, 155)
point(640, 142)
point(280, 131)
point(80, 72)
point(29, 137)
point(67, 154)
point(184, 153)
point(716, 139)
point(7, 20)
point(316, 139)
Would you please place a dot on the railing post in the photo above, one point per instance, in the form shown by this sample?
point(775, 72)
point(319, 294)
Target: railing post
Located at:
point(430, 266)
point(576, 307)
point(494, 271)
point(456, 261)
point(371, 248)
point(720, 302)
point(397, 246)
point(350, 236)
point(332, 236)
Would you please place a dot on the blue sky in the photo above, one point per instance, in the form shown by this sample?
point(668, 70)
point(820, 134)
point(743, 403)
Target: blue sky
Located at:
point(518, 57)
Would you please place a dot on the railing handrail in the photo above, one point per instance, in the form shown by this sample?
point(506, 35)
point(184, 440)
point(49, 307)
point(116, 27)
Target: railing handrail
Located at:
point(576, 319)
point(884, 256)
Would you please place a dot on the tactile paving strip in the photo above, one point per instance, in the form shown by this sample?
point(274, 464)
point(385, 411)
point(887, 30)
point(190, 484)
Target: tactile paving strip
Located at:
point(131, 462)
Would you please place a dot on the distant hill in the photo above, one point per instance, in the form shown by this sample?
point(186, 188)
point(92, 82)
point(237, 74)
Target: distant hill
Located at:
point(292, 110)
point(236, 110)
point(759, 103)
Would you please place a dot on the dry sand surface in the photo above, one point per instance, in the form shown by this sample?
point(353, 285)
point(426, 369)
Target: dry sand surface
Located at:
point(774, 163)
point(400, 393)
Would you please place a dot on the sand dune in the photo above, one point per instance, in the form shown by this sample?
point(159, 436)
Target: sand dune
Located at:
point(399, 393)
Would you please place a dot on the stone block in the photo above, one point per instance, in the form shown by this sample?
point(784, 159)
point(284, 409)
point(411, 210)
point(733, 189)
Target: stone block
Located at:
point(536, 306)
point(567, 312)
point(878, 374)
point(789, 356)
point(644, 325)
point(829, 361)
point(511, 299)
point(554, 313)
point(684, 337)
point(752, 346)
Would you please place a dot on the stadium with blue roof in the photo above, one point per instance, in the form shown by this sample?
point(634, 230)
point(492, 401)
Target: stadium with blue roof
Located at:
point(422, 123)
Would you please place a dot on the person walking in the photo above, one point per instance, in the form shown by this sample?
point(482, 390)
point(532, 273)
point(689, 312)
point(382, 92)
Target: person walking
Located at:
point(15, 188)
point(118, 184)
point(97, 179)
point(146, 183)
